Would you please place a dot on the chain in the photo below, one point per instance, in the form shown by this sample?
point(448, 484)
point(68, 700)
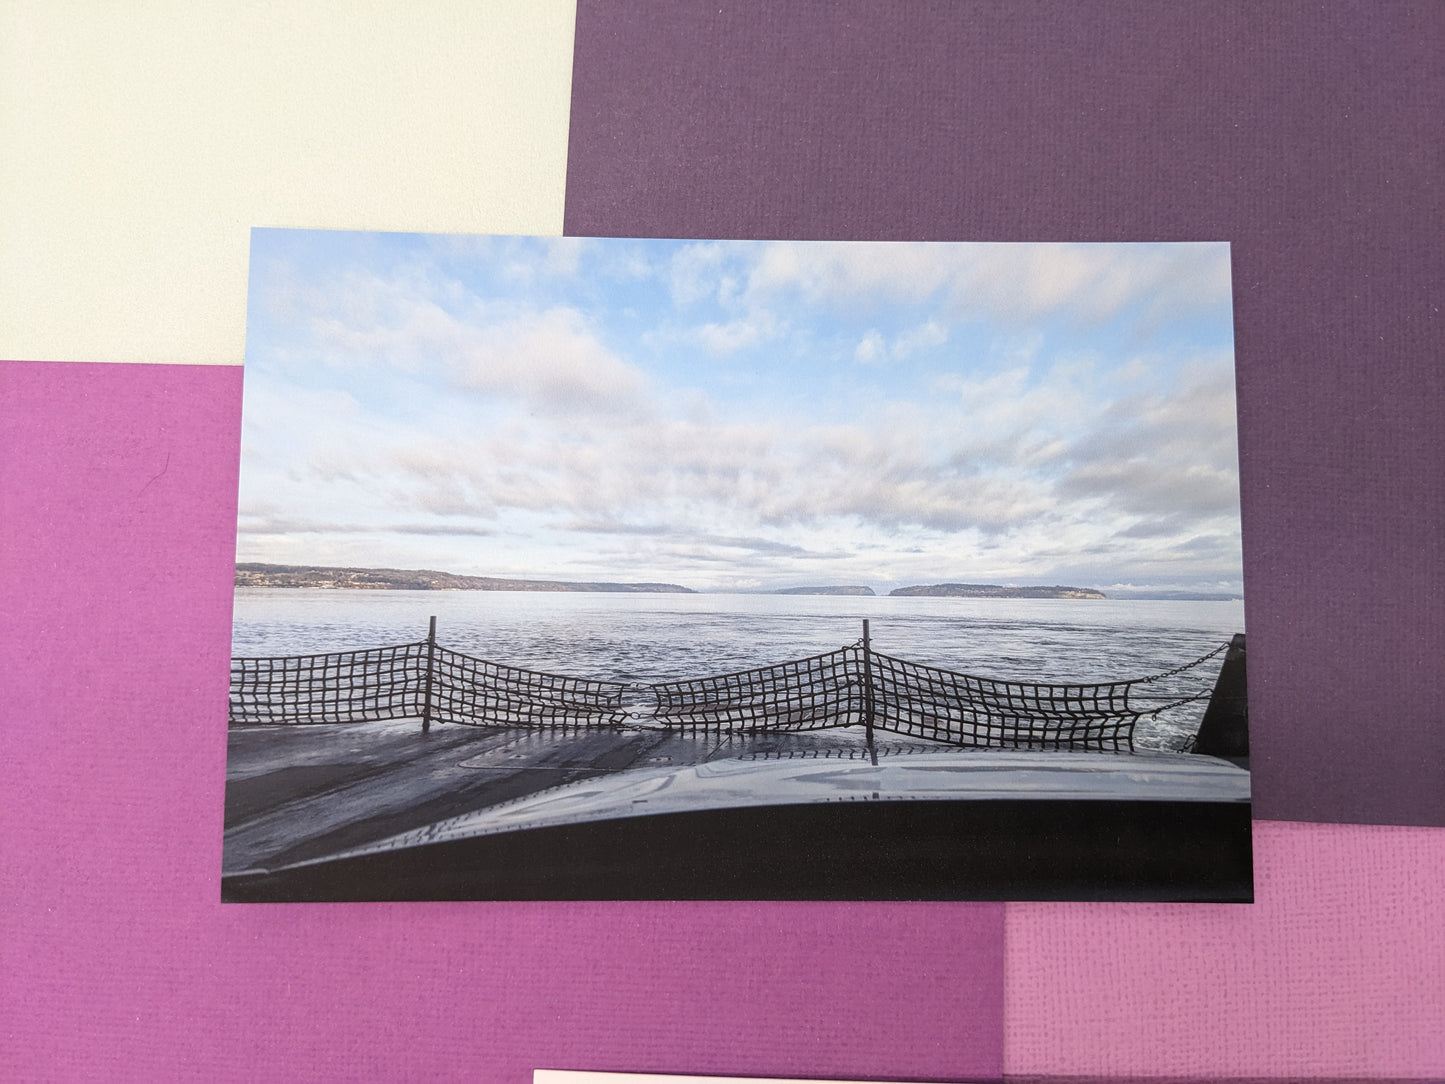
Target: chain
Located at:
point(1186, 666)
point(1176, 704)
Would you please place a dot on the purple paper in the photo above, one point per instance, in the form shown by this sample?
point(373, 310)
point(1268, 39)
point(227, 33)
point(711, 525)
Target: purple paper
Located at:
point(1307, 137)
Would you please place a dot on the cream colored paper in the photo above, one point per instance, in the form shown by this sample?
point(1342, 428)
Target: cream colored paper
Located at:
point(142, 141)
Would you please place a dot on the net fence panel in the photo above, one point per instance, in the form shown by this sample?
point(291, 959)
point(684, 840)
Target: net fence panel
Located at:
point(940, 705)
point(807, 694)
point(338, 687)
point(480, 693)
point(839, 688)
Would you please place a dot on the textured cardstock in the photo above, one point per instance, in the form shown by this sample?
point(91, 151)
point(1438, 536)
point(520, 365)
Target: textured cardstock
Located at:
point(144, 141)
point(1302, 137)
point(115, 647)
point(1336, 970)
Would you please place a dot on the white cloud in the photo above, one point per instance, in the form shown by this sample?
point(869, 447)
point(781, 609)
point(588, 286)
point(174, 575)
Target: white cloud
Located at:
point(871, 348)
point(564, 254)
point(925, 336)
point(695, 272)
point(874, 348)
point(1015, 283)
point(551, 359)
point(841, 273)
point(517, 425)
point(985, 465)
point(735, 335)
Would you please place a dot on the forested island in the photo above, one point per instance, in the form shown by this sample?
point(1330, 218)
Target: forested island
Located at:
point(993, 590)
point(400, 579)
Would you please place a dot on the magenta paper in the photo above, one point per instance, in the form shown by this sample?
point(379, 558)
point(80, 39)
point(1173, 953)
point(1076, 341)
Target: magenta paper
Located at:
point(117, 958)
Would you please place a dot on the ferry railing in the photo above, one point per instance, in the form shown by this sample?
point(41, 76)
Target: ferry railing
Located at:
point(849, 686)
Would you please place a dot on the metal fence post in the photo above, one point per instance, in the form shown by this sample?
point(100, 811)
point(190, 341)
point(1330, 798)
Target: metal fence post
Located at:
point(431, 647)
point(868, 690)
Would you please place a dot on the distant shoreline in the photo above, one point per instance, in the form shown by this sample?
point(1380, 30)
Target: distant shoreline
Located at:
point(994, 590)
point(401, 579)
point(326, 577)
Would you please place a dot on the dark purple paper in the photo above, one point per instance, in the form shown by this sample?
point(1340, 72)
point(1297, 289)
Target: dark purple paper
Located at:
point(1308, 136)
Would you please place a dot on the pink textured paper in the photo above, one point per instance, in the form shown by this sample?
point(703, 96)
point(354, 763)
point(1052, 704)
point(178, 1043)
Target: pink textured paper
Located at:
point(1337, 969)
point(117, 960)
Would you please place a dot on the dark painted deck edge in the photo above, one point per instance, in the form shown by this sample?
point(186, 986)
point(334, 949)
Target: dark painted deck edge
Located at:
point(926, 850)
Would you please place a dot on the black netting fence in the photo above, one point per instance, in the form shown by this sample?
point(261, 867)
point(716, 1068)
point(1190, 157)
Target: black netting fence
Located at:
point(850, 686)
point(468, 690)
point(339, 687)
point(927, 702)
point(809, 694)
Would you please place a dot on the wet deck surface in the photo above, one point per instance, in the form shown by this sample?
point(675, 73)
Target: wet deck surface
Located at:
point(297, 793)
point(568, 813)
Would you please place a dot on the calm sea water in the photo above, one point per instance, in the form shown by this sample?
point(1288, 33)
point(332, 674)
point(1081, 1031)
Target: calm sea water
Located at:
point(655, 637)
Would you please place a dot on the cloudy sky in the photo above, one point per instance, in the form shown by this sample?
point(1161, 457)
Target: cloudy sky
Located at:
point(742, 414)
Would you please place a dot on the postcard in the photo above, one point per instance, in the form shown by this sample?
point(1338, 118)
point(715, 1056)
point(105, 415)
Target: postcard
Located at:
point(623, 568)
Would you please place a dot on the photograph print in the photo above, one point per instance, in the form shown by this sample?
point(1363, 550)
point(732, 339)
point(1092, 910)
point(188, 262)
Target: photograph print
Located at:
point(617, 568)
